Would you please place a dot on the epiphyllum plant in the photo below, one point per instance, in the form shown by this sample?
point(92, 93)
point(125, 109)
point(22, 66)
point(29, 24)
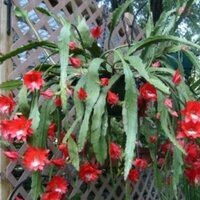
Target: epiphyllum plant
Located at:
point(125, 99)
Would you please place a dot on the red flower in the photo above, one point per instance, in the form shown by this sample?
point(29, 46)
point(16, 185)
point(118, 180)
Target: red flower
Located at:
point(156, 64)
point(181, 10)
point(58, 102)
point(35, 159)
point(133, 175)
point(173, 113)
point(192, 111)
point(193, 153)
point(7, 104)
point(166, 147)
point(148, 92)
point(193, 175)
point(140, 163)
point(89, 172)
point(18, 129)
point(33, 80)
point(104, 81)
point(161, 162)
point(112, 98)
point(115, 151)
point(57, 184)
point(63, 148)
point(59, 162)
point(168, 103)
point(82, 94)
point(157, 116)
point(153, 139)
point(12, 155)
point(96, 32)
point(19, 198)
point(75, 62)
point(51, 130)
point(69, 92)
point(51, 196)
point(190, 129)
point(48, 94)
point(177, 78)
point(72, 45)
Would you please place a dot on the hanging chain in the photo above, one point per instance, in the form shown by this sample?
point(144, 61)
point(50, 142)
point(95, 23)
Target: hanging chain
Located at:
point(105, 15)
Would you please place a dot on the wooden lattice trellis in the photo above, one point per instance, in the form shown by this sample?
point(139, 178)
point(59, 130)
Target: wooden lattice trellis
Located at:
point(47, 28)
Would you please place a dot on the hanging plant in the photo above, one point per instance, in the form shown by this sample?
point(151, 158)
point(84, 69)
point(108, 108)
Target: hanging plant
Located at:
point(126, 100)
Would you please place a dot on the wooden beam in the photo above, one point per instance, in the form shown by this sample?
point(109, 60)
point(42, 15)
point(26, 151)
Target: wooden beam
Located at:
point(5, 68)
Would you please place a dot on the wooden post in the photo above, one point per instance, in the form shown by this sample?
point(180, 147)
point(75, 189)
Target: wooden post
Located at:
point(5, 68)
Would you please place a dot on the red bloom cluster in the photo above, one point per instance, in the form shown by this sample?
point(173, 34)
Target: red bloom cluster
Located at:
point(115, 151)
point(19, 129)
point(33, 80)
point(192, 160)
point(35, 159)
point(189, 129)
point(190, 125)
point(89, 172)
point(139, 164)
point(7, 104)
point(55, 189)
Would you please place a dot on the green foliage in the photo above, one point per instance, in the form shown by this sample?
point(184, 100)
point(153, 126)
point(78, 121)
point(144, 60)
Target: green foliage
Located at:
point(117, 14)
point(64, 40)
point(73, 153)
point(10, 85)
point(130, 118)
point(165, 122)
point(93, 89)
point(36, 185)
point(137, 64)
point(160, 38)
point(21, 13)
point(23, 101)
point(94, 125)
point(43, 125)
point(100, 124)
point(34, 112)
point(43, 11)
point(27, 47)
point(84, 32)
